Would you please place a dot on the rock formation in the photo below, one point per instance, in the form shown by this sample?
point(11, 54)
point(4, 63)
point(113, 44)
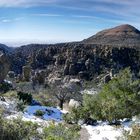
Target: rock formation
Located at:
point(26, 71)
point(4, 66)
point(111, 49)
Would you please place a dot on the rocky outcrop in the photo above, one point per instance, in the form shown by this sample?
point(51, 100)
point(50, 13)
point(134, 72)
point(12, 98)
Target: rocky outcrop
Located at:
point(74, 104)
point(38, 77)
point(87, 59)
point(26, 71)
point(4, 66)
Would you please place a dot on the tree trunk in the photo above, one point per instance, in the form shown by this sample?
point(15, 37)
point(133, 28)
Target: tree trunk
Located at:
point(61, 102)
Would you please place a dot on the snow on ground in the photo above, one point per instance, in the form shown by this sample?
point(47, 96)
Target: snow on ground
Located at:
point(4, 104)
point(55, 114)
point(29, 118)
point(51, 113)
point(103, 131)
point(7, 81)
point(45, 120)
point(64, 111)
point(8, 105)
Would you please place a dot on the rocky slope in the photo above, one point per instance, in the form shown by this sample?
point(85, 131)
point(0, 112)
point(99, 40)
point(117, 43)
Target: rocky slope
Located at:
point(121, 35)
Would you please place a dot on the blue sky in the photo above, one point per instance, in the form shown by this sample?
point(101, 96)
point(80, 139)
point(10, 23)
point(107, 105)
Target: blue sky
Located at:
point(52, 21)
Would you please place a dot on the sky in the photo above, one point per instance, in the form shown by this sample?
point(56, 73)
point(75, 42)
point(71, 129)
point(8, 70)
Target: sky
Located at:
point(54, 21)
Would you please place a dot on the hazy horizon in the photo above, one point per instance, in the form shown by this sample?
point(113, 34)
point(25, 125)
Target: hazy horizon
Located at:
point(19, 43)
point(55, 21)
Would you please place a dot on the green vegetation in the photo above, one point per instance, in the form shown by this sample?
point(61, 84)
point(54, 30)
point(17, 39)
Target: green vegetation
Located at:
point(45, 99)
point(61, 132)
point(10, 94)
point(74, 116)
point(5, 87)
point(118, 99)
point(17, 130)
point(21, 106)
point(135, 134)
point(39, 113)
point(25, 97)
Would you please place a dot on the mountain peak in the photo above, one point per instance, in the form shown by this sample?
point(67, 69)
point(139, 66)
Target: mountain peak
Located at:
point(124, 29)
point(123, 34)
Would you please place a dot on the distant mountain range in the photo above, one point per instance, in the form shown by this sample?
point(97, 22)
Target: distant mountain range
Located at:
point(5, 49)
point(123, 35)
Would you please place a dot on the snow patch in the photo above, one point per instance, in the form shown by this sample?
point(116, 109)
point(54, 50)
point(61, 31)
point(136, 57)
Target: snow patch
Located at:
point(104, 131)
point(55, 114)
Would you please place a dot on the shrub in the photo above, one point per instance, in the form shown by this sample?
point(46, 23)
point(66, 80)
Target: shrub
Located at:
point(74, 116)
point(118, 99)
point(25, 97)
point(75, 127)
point(39, 113)
point(20, 106)
point(91, 107)
point(67, 118)
point(10, 94)
point(45, 99)
point(18, 130)
point(77, 114)
point(134, 134)
point(60, 132)
point(4, 87)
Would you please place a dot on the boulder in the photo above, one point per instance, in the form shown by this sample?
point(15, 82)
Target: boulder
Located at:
point(74, 104)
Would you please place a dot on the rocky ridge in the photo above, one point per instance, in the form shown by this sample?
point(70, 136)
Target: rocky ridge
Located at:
point(107, 51)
